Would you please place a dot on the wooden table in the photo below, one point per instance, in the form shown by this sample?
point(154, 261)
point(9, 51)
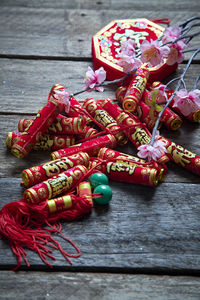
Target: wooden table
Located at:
point(146, 243)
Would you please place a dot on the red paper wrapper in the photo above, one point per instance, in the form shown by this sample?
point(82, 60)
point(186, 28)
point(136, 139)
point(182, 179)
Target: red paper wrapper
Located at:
point(107, 42)
point(120, 93)
point(169, 118)
point(120, 157)
point(39, 126)
point(135, 89)
point(105, 119)
point(64, 125)
point(106, 154)
point(76, 110)
point(182, 156)
point(127, 172)
point(146, 115)
point(55, 186)
point(137, 133)
point(88, 132)
point(91, 147)
point(37, 174)
point(192, 117)
point(46, 143)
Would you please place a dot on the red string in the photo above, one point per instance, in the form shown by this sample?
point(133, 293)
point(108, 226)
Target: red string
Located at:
point(162, 21)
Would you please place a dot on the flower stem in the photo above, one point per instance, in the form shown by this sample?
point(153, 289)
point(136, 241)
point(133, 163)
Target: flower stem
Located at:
point(105, 83)
point(180, 81)
point(196, 82)
point(183, 24)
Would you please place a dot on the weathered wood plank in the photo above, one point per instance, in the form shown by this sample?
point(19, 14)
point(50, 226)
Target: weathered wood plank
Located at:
point(143, 229)
point(25, 84)
point(102, 4)
point(188, 136)
point(37, 31)
point(89, 286)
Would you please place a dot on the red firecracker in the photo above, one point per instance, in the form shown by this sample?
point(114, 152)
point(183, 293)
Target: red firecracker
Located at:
point(91, 147)
point(47, 142)
point(41, 123)
point(182, 156)
point(64, 125)
point(55, 186)
point(37, 174)
point(193, 116)
point(137, 132)
point(169, 118)
point(105, 119)
point(135, 89)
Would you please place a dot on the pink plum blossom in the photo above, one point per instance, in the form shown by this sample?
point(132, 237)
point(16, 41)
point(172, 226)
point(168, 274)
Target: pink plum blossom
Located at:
point(128, 63)
point(63, 97)
point(175, 55)
point(161, 96)
point(152, 152)
point(171, 33)
point(187, 102)
point(94, 78)
point(127, 59)
point(153, 52)
point(128, 47)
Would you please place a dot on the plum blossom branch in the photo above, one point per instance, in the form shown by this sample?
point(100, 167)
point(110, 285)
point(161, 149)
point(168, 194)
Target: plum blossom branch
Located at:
point(196, 82)
point(180, 81)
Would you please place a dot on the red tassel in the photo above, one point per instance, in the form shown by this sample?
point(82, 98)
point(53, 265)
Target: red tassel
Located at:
point(21, 223)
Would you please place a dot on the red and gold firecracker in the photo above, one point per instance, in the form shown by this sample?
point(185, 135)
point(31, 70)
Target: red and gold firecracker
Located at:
point(147, 115)
point(88, 132)
point(127, 172)
point(135, 89)
point(105, 119)
point(59, 204)
point(37, 174)
point(84, 190)
point(55, 186)
point(64, 125)
point(41, 123)
point(68, 207)
point(169, 118)
point(137, 132)
point(142, 110)
point(192, 117)
point(182, 157)
point(47, 142)
point(120, 93)
point(76, 110)
point(91, 147)
point(109, 154)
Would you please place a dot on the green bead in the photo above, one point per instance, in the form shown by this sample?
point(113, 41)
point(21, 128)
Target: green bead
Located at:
point(106, 192)
point(97, 179)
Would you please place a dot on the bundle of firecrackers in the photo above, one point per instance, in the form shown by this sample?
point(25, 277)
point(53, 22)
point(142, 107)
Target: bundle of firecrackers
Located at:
point(83, 137)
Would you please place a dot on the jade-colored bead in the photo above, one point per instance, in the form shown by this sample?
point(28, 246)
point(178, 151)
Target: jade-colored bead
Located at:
point(106, 194)
point(97, 179)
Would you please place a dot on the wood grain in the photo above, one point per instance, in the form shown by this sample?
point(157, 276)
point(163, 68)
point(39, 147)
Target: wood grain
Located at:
point(25, 84)
point(89, 286)
point(108, 4)
point(143, 229)
point(67, 33)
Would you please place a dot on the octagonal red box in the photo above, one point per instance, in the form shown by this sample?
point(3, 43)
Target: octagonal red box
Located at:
point(107, 42)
